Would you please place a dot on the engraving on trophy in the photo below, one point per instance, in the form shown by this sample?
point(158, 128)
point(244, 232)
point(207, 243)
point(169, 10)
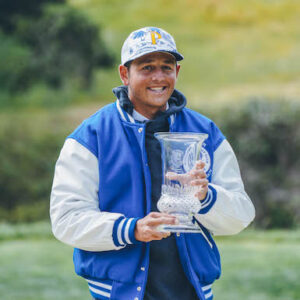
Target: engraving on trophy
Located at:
point(189, 158)
point(204, 156)
point(176, 160)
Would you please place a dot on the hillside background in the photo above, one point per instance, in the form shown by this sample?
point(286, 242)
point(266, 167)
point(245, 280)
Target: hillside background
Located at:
point(233, 49)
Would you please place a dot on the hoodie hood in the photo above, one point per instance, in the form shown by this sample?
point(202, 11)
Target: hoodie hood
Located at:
point(176, 102)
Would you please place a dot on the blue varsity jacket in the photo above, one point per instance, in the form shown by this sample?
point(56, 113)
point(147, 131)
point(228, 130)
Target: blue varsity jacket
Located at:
point(125, 188)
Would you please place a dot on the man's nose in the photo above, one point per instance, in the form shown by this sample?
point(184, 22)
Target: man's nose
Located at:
point(158, 75)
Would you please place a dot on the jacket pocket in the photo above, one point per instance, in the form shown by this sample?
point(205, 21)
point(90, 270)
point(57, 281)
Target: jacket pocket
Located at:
point(204, 256)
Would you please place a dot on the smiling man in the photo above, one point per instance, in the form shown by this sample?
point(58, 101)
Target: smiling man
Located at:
point(151, 81)
point(108, 180)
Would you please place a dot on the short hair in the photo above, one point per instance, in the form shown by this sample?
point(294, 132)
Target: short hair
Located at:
point(128, 64)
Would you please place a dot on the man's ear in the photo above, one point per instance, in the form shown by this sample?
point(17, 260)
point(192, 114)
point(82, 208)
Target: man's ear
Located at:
point(177, 69)
point(124, 74)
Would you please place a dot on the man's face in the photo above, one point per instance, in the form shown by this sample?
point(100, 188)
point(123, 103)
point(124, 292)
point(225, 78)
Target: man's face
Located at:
point(151, 80)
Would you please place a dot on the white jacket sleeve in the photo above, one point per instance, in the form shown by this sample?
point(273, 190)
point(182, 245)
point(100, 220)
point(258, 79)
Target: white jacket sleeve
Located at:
point(74, 206)
point(227, 208)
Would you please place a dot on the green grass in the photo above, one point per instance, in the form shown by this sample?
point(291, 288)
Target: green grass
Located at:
point(34, 269)
point(257, 265)
point(260, 265)
point(38, 230)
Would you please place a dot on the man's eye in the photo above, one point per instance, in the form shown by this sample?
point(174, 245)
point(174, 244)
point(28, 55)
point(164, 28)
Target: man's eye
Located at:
point(147, 68)
point(167, 68)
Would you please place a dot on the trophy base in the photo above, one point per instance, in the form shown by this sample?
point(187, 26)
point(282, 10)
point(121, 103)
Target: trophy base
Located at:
point(185, 224)
point(183, 228)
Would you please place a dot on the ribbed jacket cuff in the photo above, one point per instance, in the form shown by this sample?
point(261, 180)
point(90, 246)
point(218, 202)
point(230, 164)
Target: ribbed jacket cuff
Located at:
point(209, 200)
point(123, 231)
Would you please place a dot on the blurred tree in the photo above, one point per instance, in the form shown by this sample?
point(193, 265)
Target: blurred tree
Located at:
point(65, 44)
point(14, 63)
point(266, 138)
point(26, 169)
point(49, 44)
point(10, 10)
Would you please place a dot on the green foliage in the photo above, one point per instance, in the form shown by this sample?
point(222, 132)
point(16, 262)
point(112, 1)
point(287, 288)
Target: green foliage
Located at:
point(14, 63)
point(10, 10)
point(30, 144)
point(52, 46)
point(265, 136)
point(65, 44)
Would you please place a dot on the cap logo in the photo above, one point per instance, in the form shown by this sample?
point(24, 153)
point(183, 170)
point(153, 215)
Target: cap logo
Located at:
point(153, 37)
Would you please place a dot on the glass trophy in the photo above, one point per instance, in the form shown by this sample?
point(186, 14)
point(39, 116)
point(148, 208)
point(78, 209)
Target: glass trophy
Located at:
point(179, 151)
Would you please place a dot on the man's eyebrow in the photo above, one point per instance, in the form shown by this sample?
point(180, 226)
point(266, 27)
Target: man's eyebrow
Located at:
point(149, 60)
point(145, 61)
point(170, 61)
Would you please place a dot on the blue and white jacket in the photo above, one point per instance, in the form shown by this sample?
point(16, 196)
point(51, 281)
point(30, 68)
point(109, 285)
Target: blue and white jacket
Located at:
point(102, 186)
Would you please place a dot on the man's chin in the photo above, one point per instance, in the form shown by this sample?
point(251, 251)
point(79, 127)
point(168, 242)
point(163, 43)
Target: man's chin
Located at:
point(158, 100)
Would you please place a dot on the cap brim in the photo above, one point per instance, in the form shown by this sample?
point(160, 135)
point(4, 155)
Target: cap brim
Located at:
point(177, 55)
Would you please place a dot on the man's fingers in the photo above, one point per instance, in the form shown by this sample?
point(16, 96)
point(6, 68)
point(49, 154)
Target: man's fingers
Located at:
point(171, 175)
point(186, 178)
point(167, 234)
point(201, 195)
point(198, 174)
point(162, 220)
point(175, 176)
point(157, 235)
point(200, 164)
point(146, 228)
point(201, 182)
point(151, 233)
point(157, 215)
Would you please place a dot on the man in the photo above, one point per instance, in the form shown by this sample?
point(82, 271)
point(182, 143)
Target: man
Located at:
point(108, 180)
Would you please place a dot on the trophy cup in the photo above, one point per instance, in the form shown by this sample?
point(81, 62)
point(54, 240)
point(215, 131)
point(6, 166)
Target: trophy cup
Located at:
point(179, 151)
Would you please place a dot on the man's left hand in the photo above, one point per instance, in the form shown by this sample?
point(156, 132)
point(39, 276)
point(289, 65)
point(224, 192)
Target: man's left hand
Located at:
point(195, 177)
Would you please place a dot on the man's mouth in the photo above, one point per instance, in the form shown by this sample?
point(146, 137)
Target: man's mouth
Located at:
point(157, 89)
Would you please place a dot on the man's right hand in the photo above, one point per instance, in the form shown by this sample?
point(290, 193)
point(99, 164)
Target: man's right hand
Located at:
point(145, 228)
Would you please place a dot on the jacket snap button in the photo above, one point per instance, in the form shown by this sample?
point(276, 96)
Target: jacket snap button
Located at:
point(142, 268)
point(140, 129)
point(178, 234)
point(139, 288)
point(136, 298)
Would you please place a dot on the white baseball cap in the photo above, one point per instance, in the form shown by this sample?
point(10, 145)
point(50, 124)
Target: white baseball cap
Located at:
point(147, 40)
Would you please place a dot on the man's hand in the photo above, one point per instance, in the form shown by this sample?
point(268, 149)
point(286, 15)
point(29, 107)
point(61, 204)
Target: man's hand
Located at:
point(196, 177)
point(145, 228)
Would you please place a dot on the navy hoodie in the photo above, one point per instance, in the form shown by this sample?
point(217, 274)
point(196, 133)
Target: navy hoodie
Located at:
point(166, 278)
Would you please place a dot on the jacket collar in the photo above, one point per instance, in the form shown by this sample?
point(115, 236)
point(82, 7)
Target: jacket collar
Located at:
point(125, 107)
